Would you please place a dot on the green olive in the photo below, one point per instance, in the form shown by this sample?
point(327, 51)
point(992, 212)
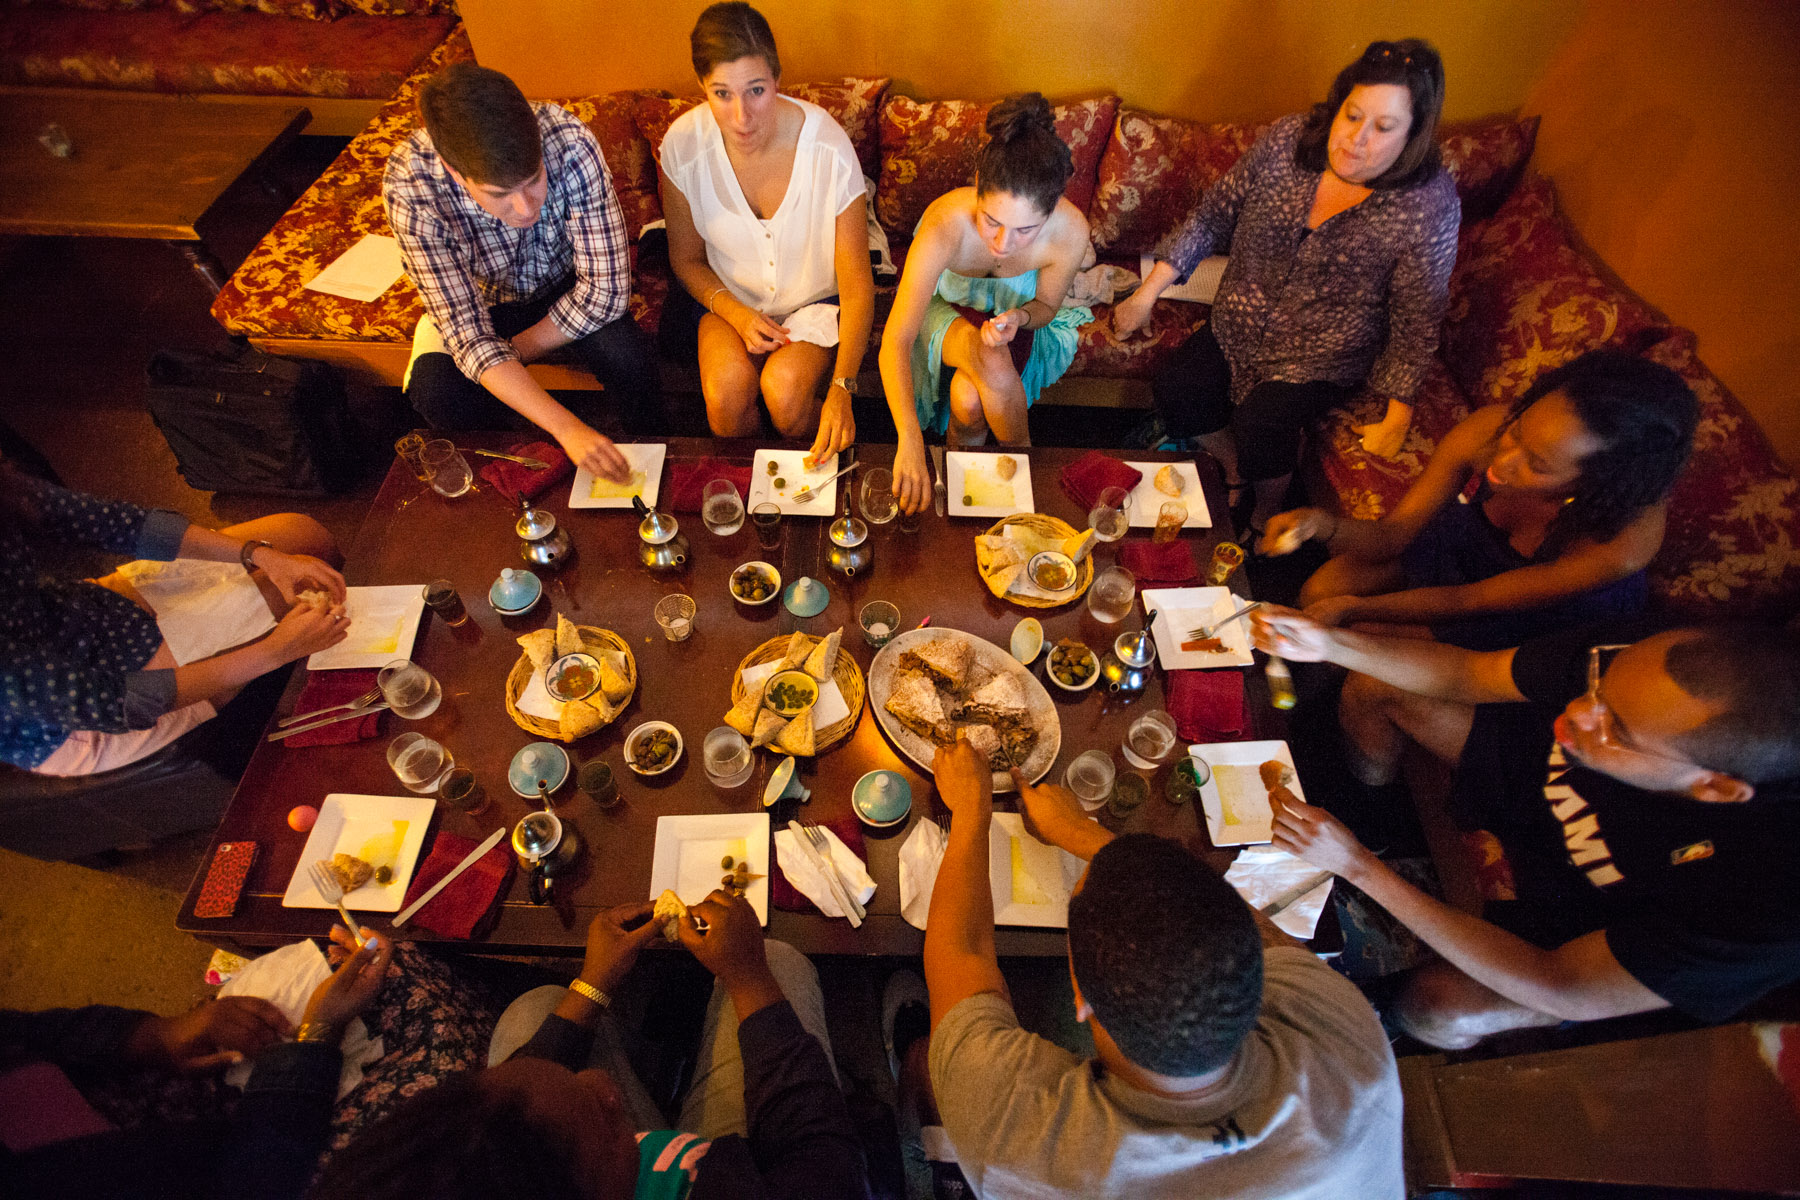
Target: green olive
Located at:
point(772, 467)
point(727, 862)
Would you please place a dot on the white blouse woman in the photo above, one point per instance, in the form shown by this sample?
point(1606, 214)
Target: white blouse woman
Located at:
point(768, 232)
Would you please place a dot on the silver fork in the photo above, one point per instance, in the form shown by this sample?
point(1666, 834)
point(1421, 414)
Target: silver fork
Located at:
point(805, 494)
point(332, 892)
point(368, 697)
point(1206, 631)
point(822, 844)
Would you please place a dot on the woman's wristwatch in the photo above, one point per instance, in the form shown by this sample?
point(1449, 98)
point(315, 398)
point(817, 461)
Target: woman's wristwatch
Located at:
point(847, 382)
point(249, 548)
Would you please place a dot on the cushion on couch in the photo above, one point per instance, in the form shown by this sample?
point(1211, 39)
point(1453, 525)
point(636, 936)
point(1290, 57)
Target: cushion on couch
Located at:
point(1486, 158)
point(1368, 487)
point(1523, 300)
point(311, 10)
point(237, 52)
point(613, 119)
point(401, 8)
point(929, 148)
point(854, 103)
point(1154, 171)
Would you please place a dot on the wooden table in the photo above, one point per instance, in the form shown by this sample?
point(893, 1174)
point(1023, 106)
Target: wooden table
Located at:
point(412, 535)
point(141, 167)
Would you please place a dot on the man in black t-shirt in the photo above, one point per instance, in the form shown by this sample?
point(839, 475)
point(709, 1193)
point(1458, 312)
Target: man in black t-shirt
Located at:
point(1647, 799)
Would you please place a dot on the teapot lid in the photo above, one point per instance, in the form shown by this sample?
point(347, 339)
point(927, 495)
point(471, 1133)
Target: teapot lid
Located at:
point(658, 527)
point(537, 834)
point(1135, 649)
point(534, 523)
point(848, 531)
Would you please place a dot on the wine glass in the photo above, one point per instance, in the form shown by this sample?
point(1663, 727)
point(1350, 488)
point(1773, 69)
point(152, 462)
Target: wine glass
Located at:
point(450, 474)
point(721, 507)
point(878, 503)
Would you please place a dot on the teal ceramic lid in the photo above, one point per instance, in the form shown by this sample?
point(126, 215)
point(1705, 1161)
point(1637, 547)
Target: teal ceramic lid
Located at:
point(806, 597)
point(538, 760)
point(882, 797)
point(515, 590)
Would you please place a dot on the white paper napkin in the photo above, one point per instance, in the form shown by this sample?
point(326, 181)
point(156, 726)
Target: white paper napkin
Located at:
point(1264, 874)
point(201, 607)
point(810, 883)
point(537, 700)
point(920, 856)
point(828, 709)
point(287, 978)
point(816, 323)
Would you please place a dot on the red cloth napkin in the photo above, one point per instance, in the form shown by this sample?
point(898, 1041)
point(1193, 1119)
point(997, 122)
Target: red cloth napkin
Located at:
point(783, 894)
point(1094, 472)
point(1166, 563)
point(513, 480)
point(688, 479)
point(324, 689)
point(1208, 706)
point(455, 911)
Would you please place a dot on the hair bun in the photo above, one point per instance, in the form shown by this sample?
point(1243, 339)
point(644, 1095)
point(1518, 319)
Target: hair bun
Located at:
point(1016, 116)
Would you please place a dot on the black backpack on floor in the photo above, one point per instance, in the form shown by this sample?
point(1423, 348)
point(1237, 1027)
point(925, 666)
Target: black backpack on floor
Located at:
point(251, 422)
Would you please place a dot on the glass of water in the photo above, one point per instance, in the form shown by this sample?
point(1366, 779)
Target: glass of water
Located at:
point(410, 690)
point(721, 507)
point(1090, 777)
point(418, 762)
point(450, 474)
point(1149, 739)
point(878, 503)
point(1110, 597)
point(1108, 518)
point(727, 756)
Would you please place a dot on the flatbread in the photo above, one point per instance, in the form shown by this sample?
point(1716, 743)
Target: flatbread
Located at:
point(568, 638)
point(350, 871)
point(798, 647)
point(799, 736)
point(540, 647)
point(768, 724)
point(823, 660)
point(742, 716)
point(1171, 482)
point(1006, 577)
point(668, 913)
point(580, 718)
point(613, 684)
point(1079, 546)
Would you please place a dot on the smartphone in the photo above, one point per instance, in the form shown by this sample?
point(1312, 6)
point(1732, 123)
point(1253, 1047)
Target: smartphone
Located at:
point(225, 879)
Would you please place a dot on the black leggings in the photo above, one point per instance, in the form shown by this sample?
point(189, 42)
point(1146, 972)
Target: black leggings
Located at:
point(1193, 396)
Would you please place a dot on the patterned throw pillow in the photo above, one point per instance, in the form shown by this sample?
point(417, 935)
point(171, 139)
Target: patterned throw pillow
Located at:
point(929, 148)
point(854, 103)
point(1486, 159)
point(613, 118)
point(89, 5)
point(401, 8)
point(1154, 171)
point(314, 10)
point(1523, 300)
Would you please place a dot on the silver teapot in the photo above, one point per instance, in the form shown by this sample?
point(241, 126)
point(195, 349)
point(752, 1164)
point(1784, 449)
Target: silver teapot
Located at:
point(661, 544)
point(1128, 667)
point(850, 551)
point(546, 849)
point(541, 542)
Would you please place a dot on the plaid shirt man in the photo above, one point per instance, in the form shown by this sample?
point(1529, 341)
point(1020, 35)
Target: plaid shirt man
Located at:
point(463, 260)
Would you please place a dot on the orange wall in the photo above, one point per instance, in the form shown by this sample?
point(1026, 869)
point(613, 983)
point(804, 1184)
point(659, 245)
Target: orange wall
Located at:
point(1214, 59)
point(1672, 130)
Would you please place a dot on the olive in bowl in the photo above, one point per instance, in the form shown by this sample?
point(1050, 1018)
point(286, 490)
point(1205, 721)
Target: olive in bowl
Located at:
point(755, 583)
point(1072, 666)
point(653, 748)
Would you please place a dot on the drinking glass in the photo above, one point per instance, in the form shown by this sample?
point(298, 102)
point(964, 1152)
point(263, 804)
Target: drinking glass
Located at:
point(1108, 518)
point(409, 448)
point(450, 474)
point(1186, 780)
point(1090, 777)
point(878, 503)
point(595, 781)
point(909, 521)
point(721, 507)
point(410, 690)
point(1130, 791)
point(1227, 557)
point(460, 793)
point(1149, 739)
point(418, 762)
point(1110, 597)
point(1169, 520)
point(879, 621)
point(767, 517)
point(727, 756)
point(675, 613)
point(441, 598)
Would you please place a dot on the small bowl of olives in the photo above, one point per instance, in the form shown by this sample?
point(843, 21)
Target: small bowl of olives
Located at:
point(755, 583)
point(653, 748)
point(1072, 666)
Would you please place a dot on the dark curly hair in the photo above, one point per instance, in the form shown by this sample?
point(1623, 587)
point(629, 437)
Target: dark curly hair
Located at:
point(1414, 65)
point(481, 124)
point(1643, 414)
point(1023, 155)
point(1167, 954)
point(455, 1141)
point(1754, 671)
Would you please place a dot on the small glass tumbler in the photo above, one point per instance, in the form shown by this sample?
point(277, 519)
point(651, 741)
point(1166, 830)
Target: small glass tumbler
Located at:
point(1110, 596)
point(411, 448)
point(1186, 780)
point(1108, 518)
point(460, 793)
point(1090, 777)
point(1169, 519)
point(909, 521)
point(767, 517)
point(727, 757)
point(879, 621)
point(721, 508)
point(1227, 557)
point(450, 474)
point(1130, 790)
point(675, 613)
point(878, 503)
point(441, 598)
point(1149, 739)
point(595, 781)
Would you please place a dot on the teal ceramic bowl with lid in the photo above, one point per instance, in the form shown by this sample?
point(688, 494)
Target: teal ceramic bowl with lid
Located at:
point(881, 799)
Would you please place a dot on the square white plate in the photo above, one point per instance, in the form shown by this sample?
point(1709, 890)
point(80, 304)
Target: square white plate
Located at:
point(1234, 767)
point(790, 465)
point(689, 850)
point(364, 826)
point(828, 709)
point(384, 622)
point(644, 457)
point(1030, 881)
point(1190, 608)
point(1147, 502)
point(964, 469)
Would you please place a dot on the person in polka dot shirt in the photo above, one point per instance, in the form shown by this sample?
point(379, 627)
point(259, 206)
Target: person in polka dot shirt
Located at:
point(83, 665)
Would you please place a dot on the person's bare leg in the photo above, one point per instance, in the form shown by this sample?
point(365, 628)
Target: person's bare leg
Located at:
point(791, 387)
point(968, 424)
point(1379, 719)
point(1003, 405)
point(1443, 1007)
point(729, 379)
point(1345, 575)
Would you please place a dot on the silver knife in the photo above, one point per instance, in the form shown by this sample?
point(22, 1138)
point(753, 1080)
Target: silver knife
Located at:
point(493, 839)
point(939, 489)
point(535, 464)
point(353, 714)
point(828, 869)
point(1295, 894)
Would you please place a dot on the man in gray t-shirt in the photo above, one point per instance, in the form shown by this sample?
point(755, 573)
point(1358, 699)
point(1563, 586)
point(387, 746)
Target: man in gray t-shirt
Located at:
point(1229, 1061)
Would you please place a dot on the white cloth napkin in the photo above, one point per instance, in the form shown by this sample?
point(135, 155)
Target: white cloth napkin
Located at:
point(537, 700)
point(810, 883)
point(201, 607)
point(1264, 874)
point(920, 856)
point(286, 978)
point(816, 323)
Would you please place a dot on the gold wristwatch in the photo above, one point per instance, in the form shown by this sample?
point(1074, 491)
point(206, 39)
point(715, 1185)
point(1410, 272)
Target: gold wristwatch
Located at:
point(847, 382)
point(582, 987)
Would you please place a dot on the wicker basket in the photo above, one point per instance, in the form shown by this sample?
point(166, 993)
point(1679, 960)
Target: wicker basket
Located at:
point(1046, 527)
point(849, 679)
point(593, 640)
